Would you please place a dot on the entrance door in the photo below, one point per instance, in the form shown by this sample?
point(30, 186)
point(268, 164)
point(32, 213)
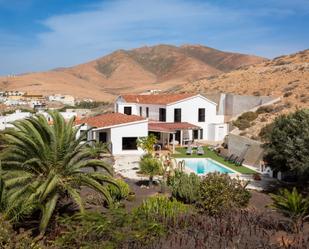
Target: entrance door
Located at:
point(221, 133)
point(103, 137)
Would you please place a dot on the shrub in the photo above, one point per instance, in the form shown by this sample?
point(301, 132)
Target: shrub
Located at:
point(96, 230)
point(9, 239)
point(265, 109)
point(242, 124)
point(291, 203)
point(287, 94)
point(185, 187)
point(119, 192)
point(287, 144)
point(266, 131)
point(219, 193)
point(244, 121)
point(250, 116)
point(158, 208)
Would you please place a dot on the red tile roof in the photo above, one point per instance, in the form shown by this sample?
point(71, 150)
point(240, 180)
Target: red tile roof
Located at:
point(171, 127)
point(159, 99)
point(109, 119)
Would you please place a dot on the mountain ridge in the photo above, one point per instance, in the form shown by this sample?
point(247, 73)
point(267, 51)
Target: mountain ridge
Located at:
point(131, 71)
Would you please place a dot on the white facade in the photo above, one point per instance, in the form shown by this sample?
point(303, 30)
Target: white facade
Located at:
point(116, 134)
point(64, 99)
point(5, 121)
point(212, 129)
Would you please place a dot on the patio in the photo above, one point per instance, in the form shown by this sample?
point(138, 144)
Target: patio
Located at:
point(170, 135)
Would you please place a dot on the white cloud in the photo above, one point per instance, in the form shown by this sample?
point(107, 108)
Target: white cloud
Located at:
point(75, 38)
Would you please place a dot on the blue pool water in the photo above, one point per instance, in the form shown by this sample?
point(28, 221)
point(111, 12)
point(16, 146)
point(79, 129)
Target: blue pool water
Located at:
point(204, 166)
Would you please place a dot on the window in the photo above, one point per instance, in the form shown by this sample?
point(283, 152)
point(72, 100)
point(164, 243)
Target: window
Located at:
point(201, 114)
point(162, 114)
point(147, 112)
point(141, 111)
point(177, 115)
point(129, 143)
point(83, 133)
point(201, 134)
point(127, 110)
point(195, 134)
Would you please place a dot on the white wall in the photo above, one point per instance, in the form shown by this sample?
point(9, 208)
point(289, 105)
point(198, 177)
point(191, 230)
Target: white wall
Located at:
point(153, 109)
point(128, 130)
point(189, 113)
point(17, 115)
point(217, 132)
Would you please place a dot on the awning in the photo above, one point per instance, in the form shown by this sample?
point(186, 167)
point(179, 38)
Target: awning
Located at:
point(169, 127)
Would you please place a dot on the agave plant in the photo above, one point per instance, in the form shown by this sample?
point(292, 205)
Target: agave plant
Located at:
point(291, 203)
point(44, 163)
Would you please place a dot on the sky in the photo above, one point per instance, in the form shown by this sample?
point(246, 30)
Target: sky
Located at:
point(37, 35)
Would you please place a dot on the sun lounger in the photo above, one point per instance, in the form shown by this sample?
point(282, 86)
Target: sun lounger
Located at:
point(189, 150)
point(229, 158)
point(200, 151)
point(239, 162)
point(234, 160)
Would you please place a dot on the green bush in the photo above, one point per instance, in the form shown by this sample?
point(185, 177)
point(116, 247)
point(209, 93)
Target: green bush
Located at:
point(185, 187)
point(119, 229)
point(265, 109)
point(242, 124)
point(9, 239)
point(244, 121)
point(286, 147)
point(119, 193)
point(291, 203)
point(219, 193)
point(158, 208)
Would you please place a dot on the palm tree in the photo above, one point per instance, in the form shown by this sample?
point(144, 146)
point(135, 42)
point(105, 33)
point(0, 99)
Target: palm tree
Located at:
point(44, 163)
point(150, 166)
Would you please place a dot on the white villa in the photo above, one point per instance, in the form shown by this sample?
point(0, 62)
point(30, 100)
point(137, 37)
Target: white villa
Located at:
point(173, 118)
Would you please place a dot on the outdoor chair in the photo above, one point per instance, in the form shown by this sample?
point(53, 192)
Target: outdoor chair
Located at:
point(234, 160)
point(240, 162)
point(200, 151)
point(229, 158)
point(189, 150)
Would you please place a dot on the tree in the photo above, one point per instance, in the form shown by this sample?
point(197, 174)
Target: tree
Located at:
point(150, 166)
point(147, 143)
point(45, 163)
point(287, 146)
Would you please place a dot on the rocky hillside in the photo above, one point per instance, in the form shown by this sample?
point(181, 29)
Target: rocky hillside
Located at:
point(160, 67)
point(285, 76)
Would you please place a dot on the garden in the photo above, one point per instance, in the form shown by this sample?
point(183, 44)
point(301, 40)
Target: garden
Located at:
point(56, 192)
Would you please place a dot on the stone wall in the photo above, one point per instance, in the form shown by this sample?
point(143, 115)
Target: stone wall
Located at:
point(232, 105)
point(246, 148)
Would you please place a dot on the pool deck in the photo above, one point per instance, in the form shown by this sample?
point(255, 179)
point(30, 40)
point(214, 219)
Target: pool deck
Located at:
point(128, 167)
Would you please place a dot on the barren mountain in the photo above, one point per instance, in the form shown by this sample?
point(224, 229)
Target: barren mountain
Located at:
point(158, 67)
point(285, 76)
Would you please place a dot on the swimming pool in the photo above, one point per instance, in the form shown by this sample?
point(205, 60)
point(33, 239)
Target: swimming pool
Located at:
point(203, 166)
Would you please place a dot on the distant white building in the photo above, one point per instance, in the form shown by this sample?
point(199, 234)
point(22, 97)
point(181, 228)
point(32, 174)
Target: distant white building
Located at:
point(5, 121)
point(64, 99)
